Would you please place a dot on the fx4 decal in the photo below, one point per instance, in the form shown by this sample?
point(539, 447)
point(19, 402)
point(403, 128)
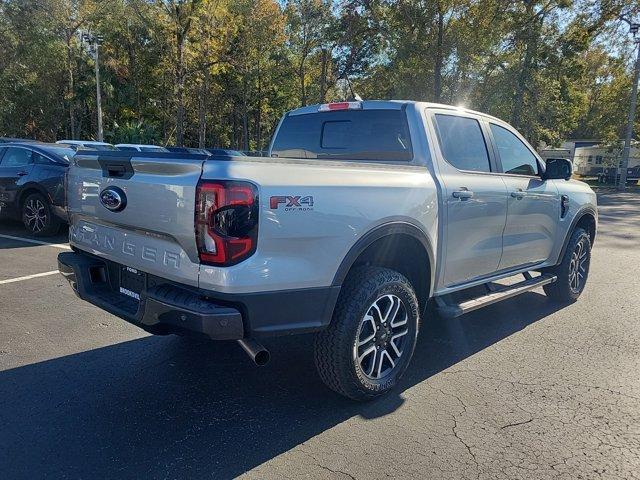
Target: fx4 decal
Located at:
point(291, 202)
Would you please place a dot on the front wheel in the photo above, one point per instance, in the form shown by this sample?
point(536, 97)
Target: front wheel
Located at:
point(573, 271)
point(38, 217)
point(372, 336)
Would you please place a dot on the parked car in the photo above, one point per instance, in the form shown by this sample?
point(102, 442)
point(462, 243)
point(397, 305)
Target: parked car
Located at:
point(227, 152)
point(87, 144)
point(141, 148)
point(197, 151)
point(32, 184)
point(364, 212)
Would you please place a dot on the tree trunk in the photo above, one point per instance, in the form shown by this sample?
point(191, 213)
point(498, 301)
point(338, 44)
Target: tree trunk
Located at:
point(71, 92)
point(202, 116)
point(245, 119)
point(303, 90)
point(437, 68)
point(180, 74)
point(259, 113)
point(323, 77)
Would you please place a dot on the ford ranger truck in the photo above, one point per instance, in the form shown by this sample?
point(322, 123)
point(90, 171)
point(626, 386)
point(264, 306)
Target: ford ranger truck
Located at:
point(362, 214)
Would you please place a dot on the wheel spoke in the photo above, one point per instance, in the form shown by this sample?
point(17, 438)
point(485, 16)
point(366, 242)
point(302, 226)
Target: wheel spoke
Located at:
point(377, 309)
point(367, 352)
point(380, 362)
point(401, 322)
point(373, 361)
point(392, 311)
point(367, 340)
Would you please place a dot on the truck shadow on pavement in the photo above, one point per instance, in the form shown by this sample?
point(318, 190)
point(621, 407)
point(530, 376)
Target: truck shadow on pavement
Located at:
point(175, 408)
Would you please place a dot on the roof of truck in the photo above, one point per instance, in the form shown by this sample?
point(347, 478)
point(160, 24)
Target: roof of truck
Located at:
point(394, 105)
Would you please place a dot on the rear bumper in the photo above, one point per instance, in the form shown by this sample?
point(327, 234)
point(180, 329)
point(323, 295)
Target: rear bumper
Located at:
point(169, 307)
point(163, 308)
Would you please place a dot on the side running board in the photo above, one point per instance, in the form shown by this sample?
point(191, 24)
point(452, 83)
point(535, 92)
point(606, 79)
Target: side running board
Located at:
point(496, 294)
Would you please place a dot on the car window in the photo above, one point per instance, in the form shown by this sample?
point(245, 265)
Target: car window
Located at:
point(462, 143)
point(40, 159)
point(515, 157)
point(15, 157)
point(127, 148)
point(345, 135)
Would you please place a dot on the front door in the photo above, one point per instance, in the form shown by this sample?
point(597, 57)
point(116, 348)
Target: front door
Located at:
point(15, 166)
point(533, 207)
point(475, 199)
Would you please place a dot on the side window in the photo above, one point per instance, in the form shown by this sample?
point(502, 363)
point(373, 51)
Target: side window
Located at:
point(15, 157)
point(462, 143)
point(516, 158)
point(40, 159)
point(2, 150)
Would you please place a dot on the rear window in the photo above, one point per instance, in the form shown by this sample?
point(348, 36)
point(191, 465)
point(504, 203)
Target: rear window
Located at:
point(345, 135)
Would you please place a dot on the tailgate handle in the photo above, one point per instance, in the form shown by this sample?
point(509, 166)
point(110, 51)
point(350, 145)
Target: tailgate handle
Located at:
point(116, 167)
point(116, 170)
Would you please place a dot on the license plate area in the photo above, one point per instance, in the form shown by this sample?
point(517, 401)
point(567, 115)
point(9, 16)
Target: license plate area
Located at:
point(132, 282)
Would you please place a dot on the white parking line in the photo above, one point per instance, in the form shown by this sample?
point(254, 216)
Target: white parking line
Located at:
point(62, 246)
point(28, 277)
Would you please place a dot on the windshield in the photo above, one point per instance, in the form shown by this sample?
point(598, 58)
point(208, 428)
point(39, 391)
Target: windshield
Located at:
point(345, 135)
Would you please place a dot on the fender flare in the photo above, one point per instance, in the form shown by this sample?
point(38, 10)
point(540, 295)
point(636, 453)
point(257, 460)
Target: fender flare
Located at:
point(386, 229)
point(577, 217)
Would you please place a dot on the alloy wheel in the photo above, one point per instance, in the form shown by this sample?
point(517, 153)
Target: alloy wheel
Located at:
point(381, 337)
point(35, 215)
point(578, 266)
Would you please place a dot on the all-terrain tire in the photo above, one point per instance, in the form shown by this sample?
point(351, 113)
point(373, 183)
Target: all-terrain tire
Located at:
point(336, 347)
point(573, 271)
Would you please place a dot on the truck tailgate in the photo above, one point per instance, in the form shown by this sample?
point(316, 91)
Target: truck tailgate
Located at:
point(154, 230)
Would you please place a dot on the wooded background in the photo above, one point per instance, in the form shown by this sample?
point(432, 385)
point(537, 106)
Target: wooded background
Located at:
point(221, 73)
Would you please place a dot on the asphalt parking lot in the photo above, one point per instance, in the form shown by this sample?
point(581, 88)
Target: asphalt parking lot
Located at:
point(522, 389)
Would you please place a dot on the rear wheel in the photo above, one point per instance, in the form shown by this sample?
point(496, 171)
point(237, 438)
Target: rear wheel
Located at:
point(372, 336)
point(38, 217)
point(573, 272)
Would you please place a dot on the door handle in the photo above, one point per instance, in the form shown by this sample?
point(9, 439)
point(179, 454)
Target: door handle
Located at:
point(519, 194)
point(463, 194)
point(22, 174)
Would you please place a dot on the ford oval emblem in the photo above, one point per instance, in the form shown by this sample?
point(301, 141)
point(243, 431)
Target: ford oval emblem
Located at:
point(113, 198)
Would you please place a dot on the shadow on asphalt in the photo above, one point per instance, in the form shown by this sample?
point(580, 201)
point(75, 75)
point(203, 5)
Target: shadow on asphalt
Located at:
point(177, 408)
point(15, 228)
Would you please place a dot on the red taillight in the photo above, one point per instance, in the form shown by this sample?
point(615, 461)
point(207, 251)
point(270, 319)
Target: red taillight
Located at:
point(226, 221)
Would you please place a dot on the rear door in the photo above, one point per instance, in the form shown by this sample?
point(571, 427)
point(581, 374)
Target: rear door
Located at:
point(475, 198)
point(533, 203)
point(15, 168)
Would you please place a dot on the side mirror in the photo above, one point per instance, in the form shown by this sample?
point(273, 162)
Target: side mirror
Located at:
point(558, 169)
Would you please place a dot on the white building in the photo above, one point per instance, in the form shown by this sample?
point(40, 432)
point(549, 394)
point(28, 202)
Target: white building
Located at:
point(591, 157)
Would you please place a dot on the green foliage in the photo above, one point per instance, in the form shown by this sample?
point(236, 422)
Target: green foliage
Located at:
point(222, 72)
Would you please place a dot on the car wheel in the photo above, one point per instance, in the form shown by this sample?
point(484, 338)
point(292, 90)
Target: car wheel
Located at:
point(38, 217)
point(573, 271)
point(372, 336)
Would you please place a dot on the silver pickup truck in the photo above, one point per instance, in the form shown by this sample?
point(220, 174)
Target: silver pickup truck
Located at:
point(363, 213)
